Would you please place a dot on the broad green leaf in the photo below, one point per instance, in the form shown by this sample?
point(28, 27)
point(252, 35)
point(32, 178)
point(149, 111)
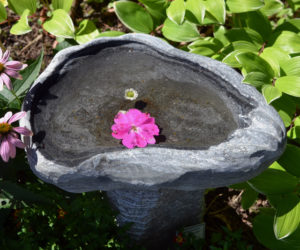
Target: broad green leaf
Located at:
point(292, 67)
point(195, 11)
point(271, 7)
point(217, 9)
point(87, 32)
point(185, 32)
point(242, 185)
point(62, 4)
point(294, 133)
point(219, 33)
point(176, 11)
point(253, 63)
point(239, 6)
point(289, 85)
point(286, 108)
point(263, 231)
point(287, 218)
point(158, 15)
point(245, 34)
point(291, 158)
point(154, 4)
point(205, 47)
point(21, 27)
point(248, 197)
point(270, 93)
point(287, 41)
point(276, 165)
point(60, 24)
point(257, 79)
point(3, 14)
point(6, 95)
point(19, 6)
point(273, 181)
point(289, 25)
point(29, 76)
point(134, 16)
point(209, 19)
point(111, 33)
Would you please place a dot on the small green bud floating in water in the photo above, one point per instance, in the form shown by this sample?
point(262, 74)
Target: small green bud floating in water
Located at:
point(131, 94)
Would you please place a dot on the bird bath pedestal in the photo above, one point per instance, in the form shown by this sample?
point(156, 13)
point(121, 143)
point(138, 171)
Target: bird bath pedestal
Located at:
point(215, 131)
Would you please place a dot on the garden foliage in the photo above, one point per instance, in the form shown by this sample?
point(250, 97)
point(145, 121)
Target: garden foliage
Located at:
point(260, 38)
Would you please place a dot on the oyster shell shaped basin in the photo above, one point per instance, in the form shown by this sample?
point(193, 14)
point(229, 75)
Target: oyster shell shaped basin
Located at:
point(214, 130)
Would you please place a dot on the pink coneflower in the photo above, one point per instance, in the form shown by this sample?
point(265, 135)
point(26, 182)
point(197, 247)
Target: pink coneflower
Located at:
point(9, 69)
point(135, 128)
point(9, 139)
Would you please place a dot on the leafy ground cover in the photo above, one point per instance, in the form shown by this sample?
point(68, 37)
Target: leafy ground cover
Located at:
point(259, 38)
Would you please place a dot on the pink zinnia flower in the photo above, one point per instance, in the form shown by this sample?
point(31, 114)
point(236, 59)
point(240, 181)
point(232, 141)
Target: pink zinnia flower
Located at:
point(135, 128)
point(9, 69)
point(8, 135)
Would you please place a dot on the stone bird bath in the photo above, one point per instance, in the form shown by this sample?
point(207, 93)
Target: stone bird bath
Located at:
point(215, 131)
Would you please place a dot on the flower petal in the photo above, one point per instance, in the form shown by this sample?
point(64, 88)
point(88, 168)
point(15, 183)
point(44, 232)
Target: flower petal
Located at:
point(12, 151)
point(6, 81)
point(16, 117)
point(129, 140)
point(23, 131)
point(1, 53)
point(5, 57)
point(13, 73)
point(120, 130)
point(1, 84)
point(5, 150)
point(15, 142)
point(7, 116)
point(15, 65)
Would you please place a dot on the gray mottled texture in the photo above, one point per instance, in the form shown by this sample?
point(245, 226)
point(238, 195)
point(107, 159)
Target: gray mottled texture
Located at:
point(217, 130)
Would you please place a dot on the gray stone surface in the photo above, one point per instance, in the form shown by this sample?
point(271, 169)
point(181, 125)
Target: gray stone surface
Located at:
point(217, 130)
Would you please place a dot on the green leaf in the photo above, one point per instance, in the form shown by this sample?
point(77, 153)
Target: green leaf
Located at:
point(219, 33)
point(239, 6)
point(287, 218)
point(253, 63)
point(270, 93)
point(3, 14)
point(289, 25)
point(62, 4)
point(60, 24)
point(111, 33)
point(154, 4)
point(195, 11)
point(257, 79)
point(29, 76)
point(287, 41)
point(249, 196)
point(134, 16)
point(19, 6)
point(176, 11)
point(205, 47)
point(272, 7)
point(158, 15)
point(21, 27)
point(185, 32)
point(273, 181)
point(245, 34)
point(291, 158)
point(289, 85)
point(294, 132)
point(217, 9)
point(292, 66)
point(87, 32)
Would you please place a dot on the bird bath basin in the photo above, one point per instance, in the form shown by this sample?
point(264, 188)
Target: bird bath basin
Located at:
point(214, 130)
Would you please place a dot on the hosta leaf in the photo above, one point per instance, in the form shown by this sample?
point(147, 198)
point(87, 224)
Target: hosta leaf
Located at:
point(111, 33)
point(87, 32)
point(154, 4)
point(291, 158)
point(158, 15)
point(217, 9)
point(253, 63)
point(21, 27)
point(292, 67)
point(62, 4)
point(257, 79)
point(239, 6)
point(286, 107)
point(289, 85)
point(60, 24)
point(287, 41)
point(195, 11)
point(271, 7)
point(273, 181)
point(176, 11)
point(248, 197)
point(3, 14)
point(270, 93)
point(287, 218)
point(185, 32)
point(245, 34)
point(205, 47)
point(289, 25)
point(134, 16)
point(219, 33)
point(19, 6)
